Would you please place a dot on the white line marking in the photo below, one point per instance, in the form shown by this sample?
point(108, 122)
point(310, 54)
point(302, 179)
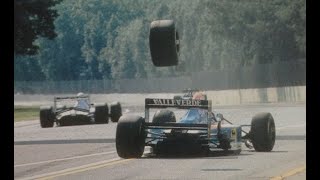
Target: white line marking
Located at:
point(70, 169)
point(63, 159)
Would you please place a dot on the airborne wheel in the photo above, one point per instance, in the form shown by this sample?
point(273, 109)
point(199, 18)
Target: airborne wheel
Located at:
point(164, 43)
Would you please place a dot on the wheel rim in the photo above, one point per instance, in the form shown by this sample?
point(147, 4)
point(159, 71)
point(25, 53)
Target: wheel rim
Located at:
point(271, 131)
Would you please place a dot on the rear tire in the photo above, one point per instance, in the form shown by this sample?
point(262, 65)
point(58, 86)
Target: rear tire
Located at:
point(164, 43)
point(46, 117)
point(263, 132)
point(164, 116)
point(115, 111)
point(130, 136)
point(101, 115)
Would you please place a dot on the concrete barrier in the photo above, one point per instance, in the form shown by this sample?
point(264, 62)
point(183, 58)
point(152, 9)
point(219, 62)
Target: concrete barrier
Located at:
point(261, 95)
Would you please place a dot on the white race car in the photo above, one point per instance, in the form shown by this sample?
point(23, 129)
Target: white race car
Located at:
point(76, 110)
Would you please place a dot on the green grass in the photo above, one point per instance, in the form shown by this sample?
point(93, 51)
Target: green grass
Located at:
point(23, 113)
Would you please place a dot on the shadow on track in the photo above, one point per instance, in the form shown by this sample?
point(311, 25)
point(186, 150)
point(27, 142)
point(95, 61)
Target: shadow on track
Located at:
point(210, 155)
point(266, 152)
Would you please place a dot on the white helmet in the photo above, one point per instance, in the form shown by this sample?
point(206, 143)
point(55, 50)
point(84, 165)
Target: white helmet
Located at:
point(80, 94)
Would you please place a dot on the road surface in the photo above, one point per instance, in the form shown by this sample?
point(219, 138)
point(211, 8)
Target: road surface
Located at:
point(88, 151)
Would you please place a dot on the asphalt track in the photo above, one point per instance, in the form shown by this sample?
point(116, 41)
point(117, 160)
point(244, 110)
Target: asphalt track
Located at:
point(88, 151)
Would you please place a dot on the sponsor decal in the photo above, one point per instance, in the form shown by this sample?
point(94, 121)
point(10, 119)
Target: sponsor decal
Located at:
point(180, 102)
point(233, 133)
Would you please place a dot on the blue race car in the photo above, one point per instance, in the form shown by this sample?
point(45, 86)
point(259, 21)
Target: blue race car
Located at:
point(198, 130)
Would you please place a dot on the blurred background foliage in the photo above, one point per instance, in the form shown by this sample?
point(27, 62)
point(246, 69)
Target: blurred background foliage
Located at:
point(109, 39)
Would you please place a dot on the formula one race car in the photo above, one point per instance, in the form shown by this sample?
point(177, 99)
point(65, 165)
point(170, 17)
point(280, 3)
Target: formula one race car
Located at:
point(198, 130)
point(190, 94)
point(76, 110)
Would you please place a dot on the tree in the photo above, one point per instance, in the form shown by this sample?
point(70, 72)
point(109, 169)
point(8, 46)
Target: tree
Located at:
point(27, 69)
point(32, 18)
point(99, 39)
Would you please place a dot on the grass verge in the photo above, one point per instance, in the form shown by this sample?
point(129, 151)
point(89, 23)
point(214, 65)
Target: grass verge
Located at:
point(24, 113)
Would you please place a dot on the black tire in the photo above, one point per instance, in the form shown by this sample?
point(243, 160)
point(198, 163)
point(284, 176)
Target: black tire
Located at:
point(177, 97)
point(115, 111)
point(263, 132)
point(164, 43)
point(130, 136)
point(101, 115)
point(164, 116)
point(154, 150)
point(46, 117)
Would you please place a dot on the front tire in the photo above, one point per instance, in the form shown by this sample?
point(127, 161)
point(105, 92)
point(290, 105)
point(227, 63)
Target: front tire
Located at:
point(263, 132)
point(164, 116)
point(46, 117)
point(130, 136)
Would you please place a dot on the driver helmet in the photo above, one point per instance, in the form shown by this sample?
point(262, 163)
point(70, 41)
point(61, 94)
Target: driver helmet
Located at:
point(199, 96)
point(80, 94)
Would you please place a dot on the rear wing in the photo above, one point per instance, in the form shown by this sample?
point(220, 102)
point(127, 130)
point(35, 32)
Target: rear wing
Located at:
point(178, 103)
point(181, 104)
point(71, 98)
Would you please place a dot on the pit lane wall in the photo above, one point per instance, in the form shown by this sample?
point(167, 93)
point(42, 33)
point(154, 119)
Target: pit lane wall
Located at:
point(289, 94)
point(281, 74)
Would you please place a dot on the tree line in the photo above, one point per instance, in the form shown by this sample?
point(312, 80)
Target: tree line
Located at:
point(98, 39)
